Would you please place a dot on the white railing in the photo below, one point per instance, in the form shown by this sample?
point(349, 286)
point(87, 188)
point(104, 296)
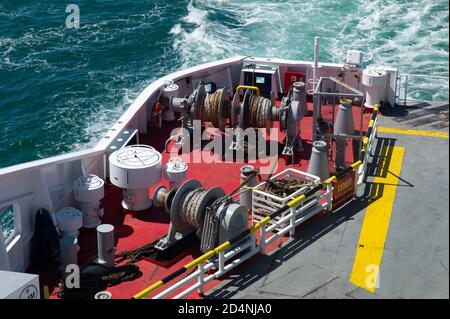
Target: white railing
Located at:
point(360, 173)
point(405, 78)
point(227, 260)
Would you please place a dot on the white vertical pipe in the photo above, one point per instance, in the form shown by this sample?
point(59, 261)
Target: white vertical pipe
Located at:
point(200, 280)
point(316, 61)
point(292, 223)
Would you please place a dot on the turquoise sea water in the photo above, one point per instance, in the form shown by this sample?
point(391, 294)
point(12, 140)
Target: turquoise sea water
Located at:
point(7, 221)
point(60, 88)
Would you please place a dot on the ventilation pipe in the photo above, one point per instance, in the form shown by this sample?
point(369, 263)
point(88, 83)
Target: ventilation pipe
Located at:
point(318, 163)
point(175, 171)
point(68, 253)
point(246, 195)
point(343, 127)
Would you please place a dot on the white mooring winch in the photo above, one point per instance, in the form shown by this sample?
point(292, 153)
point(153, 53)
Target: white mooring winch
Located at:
point(135, 168)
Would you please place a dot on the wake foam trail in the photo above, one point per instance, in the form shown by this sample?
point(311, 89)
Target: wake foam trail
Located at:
point(409, 35)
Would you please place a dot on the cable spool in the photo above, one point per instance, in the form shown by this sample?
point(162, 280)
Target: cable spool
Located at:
point(188, 206)
point(190, 212)
point(256, 111)
point(261, 112)
point(217, 108)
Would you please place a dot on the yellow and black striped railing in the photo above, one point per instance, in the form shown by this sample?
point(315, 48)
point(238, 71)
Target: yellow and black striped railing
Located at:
point(293, 203)
point(369, 132)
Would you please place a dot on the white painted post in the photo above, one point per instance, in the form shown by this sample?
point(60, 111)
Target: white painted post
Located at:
point(201, 281)
point(253, 237)
point(406, 89)
point(292, 223)
point(316, 61)
point(221, 262)
point(262, 244)
point(330, 198)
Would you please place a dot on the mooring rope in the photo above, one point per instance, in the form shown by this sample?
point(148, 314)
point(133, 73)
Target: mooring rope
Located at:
point(259, 109)
point(212, 105)
point(189, 208)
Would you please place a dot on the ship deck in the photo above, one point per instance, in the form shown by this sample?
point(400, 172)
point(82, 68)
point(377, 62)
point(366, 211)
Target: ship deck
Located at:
point(319, 261)
point(408, 180)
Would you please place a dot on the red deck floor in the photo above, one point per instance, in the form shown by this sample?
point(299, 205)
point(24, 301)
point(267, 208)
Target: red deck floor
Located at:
point(137, 229)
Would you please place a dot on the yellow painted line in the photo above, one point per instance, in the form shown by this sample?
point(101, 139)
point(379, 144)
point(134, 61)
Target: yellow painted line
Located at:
point(376, 223)
point(412, 132)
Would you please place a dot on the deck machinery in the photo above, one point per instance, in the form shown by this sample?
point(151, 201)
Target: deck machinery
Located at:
point(253, 112)
point(209, 213)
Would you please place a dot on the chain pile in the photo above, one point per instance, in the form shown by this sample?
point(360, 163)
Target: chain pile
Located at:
point(285, 187)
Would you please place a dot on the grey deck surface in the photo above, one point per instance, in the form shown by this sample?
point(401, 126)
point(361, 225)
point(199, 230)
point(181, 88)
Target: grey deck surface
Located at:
point(318, 262)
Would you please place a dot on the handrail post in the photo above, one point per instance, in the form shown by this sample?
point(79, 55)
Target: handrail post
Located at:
point(406, 89)
point(221, 262)
point(201, 280)
point(330, 198)
point(292, 222)
point(262, 244)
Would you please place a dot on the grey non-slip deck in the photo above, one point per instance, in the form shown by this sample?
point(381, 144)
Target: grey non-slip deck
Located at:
point(318, 262)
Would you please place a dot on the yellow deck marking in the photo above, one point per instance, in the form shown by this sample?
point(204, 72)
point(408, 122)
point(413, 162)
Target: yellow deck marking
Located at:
point(412, 132)
point(376, 223)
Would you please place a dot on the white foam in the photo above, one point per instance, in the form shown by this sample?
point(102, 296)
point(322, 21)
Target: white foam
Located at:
point(176, 29)
point(195, 15)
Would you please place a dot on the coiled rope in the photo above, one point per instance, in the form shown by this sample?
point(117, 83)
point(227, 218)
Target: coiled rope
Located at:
point(259, 109)
point(189, 208)
point(211, 108)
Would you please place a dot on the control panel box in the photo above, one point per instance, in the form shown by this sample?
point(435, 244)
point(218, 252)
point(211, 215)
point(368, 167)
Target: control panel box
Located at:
point(261, 76)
